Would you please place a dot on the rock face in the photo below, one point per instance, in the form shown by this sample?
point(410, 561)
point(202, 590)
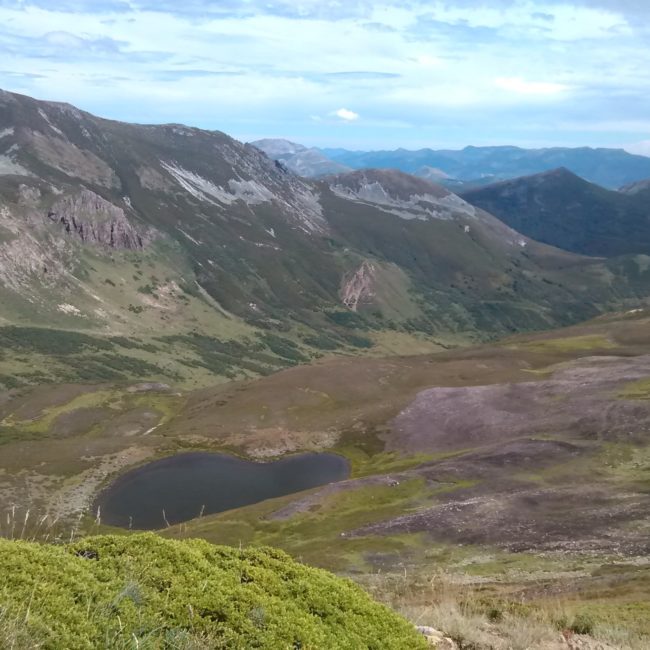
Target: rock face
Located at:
point(96, 221)
point(359, 288)
point(436, 639)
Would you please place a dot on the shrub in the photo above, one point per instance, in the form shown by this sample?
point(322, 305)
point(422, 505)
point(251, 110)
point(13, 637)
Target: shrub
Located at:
point(145, 591)
point(582, 624)
point(282, 347)
point(43, 340)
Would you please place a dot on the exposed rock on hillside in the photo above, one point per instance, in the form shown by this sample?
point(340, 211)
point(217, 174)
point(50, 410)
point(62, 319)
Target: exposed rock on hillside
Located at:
point(359, 287)
point(400, 194)
point(97, 221)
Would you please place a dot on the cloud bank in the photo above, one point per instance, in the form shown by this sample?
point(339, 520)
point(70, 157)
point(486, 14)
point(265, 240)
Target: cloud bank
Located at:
point(416, 73)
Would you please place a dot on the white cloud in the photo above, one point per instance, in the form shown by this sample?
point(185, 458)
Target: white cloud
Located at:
point(523, 87)
point(431, 70)
point(428, 61)
point(569, 22)
point(346, 115)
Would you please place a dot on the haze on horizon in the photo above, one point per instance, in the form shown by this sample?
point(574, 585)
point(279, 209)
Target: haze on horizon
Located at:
point(355, 73)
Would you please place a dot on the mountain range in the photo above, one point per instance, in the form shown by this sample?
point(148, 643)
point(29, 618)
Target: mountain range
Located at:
point(174, 252)
point(469, 167)
point(610, 168)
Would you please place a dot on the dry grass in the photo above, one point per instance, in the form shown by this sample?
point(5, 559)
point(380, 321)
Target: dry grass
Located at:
point(18, 523)
point(478, 619)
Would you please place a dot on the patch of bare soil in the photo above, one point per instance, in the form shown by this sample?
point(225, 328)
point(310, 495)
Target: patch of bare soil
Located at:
point(580, 399)
point(77, 495)
point(271, 442)
point(570, 519)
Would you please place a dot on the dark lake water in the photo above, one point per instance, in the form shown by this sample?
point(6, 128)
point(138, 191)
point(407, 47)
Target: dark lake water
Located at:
point(184, 484)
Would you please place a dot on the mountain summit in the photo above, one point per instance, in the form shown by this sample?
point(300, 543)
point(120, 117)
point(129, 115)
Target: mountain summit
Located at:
point(560, 208)
point(311, 163)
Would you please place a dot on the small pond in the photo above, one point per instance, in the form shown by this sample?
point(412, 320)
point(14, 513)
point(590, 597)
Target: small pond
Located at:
point(186, 485)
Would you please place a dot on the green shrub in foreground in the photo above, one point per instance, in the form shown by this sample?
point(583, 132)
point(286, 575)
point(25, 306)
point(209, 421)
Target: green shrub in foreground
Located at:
point(147, 592)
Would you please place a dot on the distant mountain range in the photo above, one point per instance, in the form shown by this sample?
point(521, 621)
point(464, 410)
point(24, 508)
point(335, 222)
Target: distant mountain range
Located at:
point(610, 168)
point(477, 166)
point(561, 209)
point(173, 252)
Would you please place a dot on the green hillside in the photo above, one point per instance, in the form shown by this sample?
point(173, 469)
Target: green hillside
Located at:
point(562, 209)
point(182, 255)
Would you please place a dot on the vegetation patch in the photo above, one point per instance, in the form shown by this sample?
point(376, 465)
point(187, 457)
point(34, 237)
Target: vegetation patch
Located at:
point(636, 390)
point(49, 341)
point(569, 344)
point(319, 534)
point(144, 591)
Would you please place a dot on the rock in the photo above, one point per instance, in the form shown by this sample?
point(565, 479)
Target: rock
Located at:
point(583, 642)
point(94, 220)
point(360, 287)
point(149, 387)
point(436, 638)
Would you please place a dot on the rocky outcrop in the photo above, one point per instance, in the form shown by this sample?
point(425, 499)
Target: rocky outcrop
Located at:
point(96, 221)
point(436, 639)
point(359, 288)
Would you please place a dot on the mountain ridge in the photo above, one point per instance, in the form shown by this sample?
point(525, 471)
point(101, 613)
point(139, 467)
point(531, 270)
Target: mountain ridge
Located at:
point(562, 209)
point(184, 240)
point(611, 168)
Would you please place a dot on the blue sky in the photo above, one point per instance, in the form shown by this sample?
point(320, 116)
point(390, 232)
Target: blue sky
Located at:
point(350, 73)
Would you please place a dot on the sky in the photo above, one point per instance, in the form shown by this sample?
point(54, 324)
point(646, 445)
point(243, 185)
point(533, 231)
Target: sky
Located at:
point(359, 74)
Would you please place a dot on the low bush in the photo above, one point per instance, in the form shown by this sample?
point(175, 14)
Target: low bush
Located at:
point(147, 592)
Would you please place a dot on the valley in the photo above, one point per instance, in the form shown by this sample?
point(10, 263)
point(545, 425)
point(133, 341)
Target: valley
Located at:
point(445, 398)
point(173, 254)
point(543, 439)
